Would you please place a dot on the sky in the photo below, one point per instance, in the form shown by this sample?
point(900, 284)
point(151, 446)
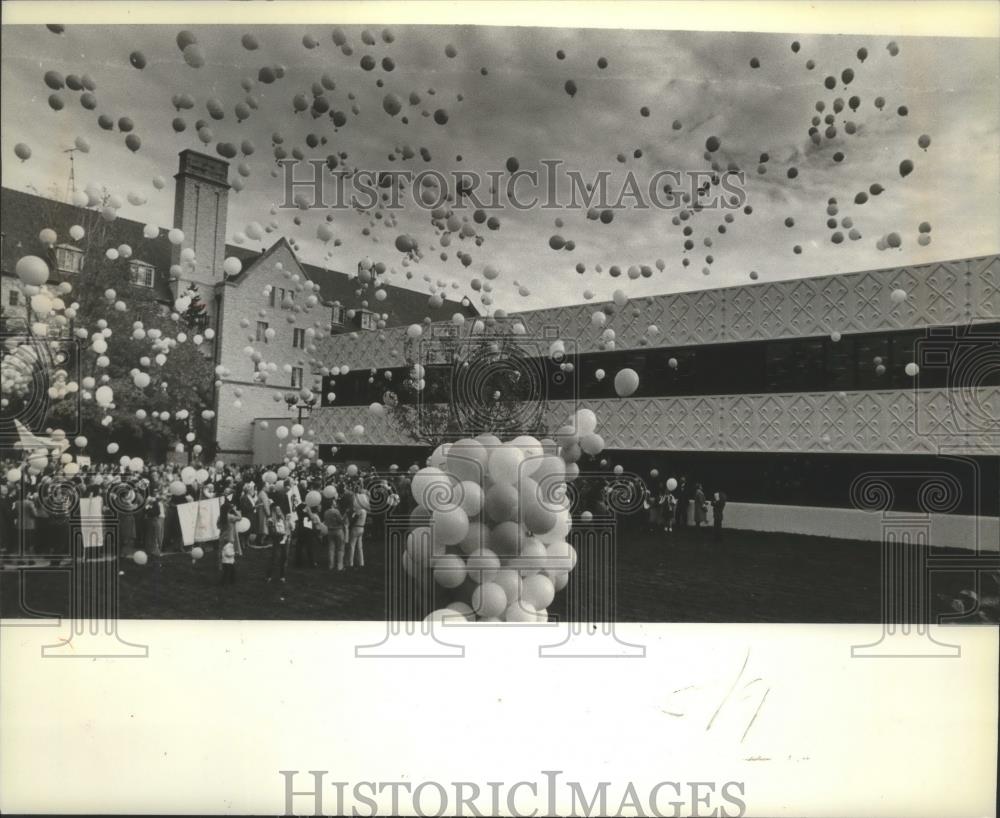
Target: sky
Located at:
point(520, 108)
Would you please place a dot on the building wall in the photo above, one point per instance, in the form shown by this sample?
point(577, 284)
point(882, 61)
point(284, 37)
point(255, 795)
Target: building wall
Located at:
point(941, 293)
point(886, 422)
point(918, 424)
point(201, 208)
point(246, 300)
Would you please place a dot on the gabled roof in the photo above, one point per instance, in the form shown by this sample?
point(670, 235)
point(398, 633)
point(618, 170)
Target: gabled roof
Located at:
point(404, 306)
point(23, 215)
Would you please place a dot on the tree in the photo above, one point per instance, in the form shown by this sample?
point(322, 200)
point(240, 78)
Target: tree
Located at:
point(462, 387)
point(143, 338)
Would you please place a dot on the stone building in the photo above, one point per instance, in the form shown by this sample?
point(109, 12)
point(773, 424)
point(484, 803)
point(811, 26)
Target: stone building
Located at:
point(239, 308)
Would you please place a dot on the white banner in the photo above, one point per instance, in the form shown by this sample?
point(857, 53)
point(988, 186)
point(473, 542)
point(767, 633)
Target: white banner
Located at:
point(92, 521)
point(187, 517)
point(206, 527)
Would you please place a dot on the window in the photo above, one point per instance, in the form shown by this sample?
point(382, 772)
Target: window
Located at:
point(368, 319)
point(871, 360)
point(338, 315)
point(272, 296)
point(299, 338)
point(13, 298)
point(262, 331)
point(69, 259)
point(296, 377)
point(143, 274)
point(794, 366)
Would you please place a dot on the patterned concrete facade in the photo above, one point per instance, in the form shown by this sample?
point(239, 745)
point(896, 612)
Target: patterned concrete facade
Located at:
point(965, 419)
point(941, 293)
point(883, 422)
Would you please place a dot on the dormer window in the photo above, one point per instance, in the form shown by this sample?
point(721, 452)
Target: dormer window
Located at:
point(338, 316)
point(143, 274)
point(367, 320)
point(69, 259)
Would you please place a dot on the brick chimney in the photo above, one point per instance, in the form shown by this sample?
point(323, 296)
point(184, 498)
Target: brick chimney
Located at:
point(201, 205)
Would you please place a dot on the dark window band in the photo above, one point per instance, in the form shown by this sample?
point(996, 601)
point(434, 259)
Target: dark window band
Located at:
point(815, 364)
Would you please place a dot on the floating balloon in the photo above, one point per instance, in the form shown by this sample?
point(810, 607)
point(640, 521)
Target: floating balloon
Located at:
point(32, 270)
point(626, 382)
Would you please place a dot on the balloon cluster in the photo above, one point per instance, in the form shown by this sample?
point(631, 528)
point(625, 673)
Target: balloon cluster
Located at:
point(492, 519)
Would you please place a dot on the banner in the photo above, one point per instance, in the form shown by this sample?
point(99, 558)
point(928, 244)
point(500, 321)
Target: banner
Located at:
point(187, 517)
point(206, 525)
point(92, 521)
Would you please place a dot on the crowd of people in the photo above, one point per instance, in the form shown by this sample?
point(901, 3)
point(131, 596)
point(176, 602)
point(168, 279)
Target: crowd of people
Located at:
point(307, 515)
point(311, 515)
point(673, 509)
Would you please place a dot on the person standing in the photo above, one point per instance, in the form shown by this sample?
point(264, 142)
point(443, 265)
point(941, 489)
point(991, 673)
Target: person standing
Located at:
point(336, 534)
point(25, 516)
point(683, 498)
point(305, 535)
point(262, 511)
point(669, 511)
point(8, 529)
point(154, 515)
point(700, 506)
point(248, 510)
point(279, 534)
point(359, 517)
point(229, 516)
point(227, 555)
point(718, 507)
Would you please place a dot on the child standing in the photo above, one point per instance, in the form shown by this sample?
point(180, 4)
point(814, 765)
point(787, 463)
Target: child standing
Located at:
point(228, 564)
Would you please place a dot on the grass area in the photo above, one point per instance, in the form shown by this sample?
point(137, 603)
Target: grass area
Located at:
point(681, 577)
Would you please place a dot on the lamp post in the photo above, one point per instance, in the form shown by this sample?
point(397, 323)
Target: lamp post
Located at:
point(303, 401)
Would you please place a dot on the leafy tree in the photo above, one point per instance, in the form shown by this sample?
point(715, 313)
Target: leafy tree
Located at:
point(463, 387)
point(185, 380)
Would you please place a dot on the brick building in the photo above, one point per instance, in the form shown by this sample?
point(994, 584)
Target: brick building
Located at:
point(240, 308)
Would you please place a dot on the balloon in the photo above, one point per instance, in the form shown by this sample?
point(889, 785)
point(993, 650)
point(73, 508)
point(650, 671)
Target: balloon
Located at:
point(905, 168)
point(194, 56)
point(232, 266)
point(104, 396)
point(22, 151)
point(392, 104)
point(626, 382)
point(140, 558)
point(197, 553)
point(671, 484)
point(449, 570)
point(489, 600)
point(912, 369)
point(504, 463)
point(32, 270)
